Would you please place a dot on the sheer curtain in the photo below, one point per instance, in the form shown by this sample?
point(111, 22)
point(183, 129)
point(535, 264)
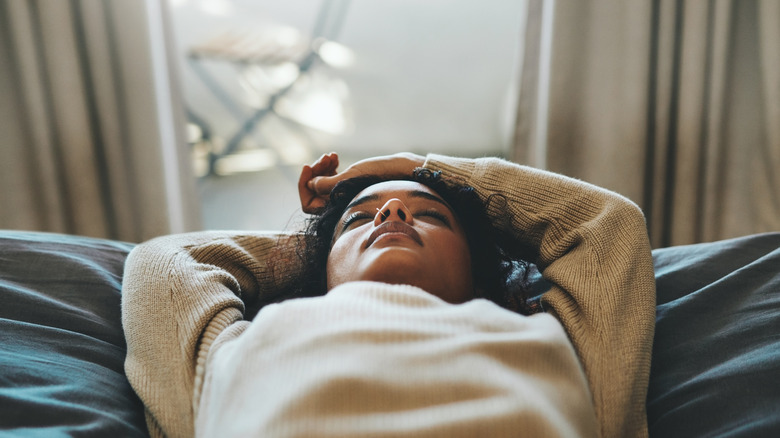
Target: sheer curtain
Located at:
point(91, 122)
point(675, 104)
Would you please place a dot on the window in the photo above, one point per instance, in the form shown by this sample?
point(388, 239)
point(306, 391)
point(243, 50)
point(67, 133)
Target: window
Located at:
point(276, 83)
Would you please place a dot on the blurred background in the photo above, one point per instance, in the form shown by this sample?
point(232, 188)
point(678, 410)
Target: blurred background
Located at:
point(129, 120)
point(270, 85)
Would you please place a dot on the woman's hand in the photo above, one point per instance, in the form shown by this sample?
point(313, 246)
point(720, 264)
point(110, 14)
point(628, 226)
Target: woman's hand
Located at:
point(318, 180)
point(311, 200)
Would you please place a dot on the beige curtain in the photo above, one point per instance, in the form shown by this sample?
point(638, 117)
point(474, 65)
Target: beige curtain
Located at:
point(675, 104)
point(90, 121)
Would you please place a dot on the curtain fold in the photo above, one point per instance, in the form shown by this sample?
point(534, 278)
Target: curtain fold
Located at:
point(768, 40)
point(91, 121)
point(672, 103)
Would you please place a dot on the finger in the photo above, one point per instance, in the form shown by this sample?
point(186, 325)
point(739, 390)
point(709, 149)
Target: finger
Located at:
point(324, 165)
point(318, 186)
point(314, 184)
point(306, 175)
point(333, 165)
point(334, 159)
point(322, 185)
point(304, 193)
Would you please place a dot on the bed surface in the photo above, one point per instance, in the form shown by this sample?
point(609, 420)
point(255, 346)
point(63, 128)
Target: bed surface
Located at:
point(716, 358)
point(716, 355)
point(61, 343)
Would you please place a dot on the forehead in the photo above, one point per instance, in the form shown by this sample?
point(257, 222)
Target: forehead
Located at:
point(396, 189)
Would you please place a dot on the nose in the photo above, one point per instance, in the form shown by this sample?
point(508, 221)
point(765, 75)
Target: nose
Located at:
point(393, 209)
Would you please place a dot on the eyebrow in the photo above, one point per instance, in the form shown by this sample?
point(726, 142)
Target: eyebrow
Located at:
point(413, 193)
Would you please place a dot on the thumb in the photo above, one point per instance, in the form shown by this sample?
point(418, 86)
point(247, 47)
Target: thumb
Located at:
point(321, 185)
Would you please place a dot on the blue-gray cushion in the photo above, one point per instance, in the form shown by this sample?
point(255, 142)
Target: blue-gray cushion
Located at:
point(62, 348)
point(716, 357)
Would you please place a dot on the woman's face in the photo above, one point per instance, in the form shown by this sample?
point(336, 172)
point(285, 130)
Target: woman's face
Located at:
point(402, 232)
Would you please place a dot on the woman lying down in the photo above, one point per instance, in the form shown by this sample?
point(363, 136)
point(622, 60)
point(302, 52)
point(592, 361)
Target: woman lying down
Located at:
point(392, 314)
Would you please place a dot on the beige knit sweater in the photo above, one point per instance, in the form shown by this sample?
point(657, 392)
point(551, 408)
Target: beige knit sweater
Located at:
point(315, 365)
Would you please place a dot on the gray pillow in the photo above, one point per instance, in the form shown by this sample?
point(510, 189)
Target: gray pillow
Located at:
point(716, 356)
point(62, 348)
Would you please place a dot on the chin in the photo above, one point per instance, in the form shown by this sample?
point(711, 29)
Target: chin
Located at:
point(403, 265)
point(397, 274)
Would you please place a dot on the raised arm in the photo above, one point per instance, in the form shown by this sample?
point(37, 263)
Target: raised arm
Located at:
point(592, 245)
point(183, 295)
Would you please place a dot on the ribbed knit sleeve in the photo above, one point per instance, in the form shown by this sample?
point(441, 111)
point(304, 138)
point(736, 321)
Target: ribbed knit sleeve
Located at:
point(592, 245)
point(180, 294)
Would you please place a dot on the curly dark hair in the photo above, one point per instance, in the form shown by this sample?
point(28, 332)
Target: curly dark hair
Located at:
point(498, 265)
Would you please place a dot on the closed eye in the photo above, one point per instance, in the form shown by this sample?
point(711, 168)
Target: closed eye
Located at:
point(436, 215)
point(354, 217)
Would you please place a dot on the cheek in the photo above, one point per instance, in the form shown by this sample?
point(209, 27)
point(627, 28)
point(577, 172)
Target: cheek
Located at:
point(330, 275)
point(463, 255)
point(338, 258)
point(458, 255)
point(454, 245)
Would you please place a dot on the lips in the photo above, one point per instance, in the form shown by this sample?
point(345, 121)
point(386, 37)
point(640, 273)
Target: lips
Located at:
point(394, 227)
